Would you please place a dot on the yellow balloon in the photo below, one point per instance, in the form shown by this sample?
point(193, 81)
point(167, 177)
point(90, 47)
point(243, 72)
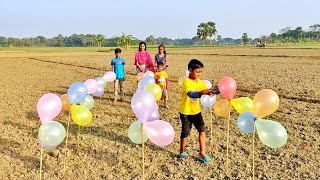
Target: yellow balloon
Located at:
point(155, 89)
point(243, 104)
point(265, 102)
point(221, 108)
point(180, 80)
point(80, 115)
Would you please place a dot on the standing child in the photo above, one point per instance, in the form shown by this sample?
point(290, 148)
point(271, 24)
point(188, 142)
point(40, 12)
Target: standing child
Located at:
point(161, 77)
point(117, 64)
point(190, 113)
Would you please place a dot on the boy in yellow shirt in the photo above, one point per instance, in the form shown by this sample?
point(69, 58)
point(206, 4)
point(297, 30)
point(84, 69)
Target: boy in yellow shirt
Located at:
point(190, 112)
point(161, 77)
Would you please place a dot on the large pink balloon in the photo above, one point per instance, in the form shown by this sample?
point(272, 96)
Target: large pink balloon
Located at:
point(143, 104)
point(91, 85)
point(49, 106)
point(159, 132)
point(109, 76)
point(227, 87)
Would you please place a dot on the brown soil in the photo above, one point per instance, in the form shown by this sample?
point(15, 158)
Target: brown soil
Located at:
point(107, 153)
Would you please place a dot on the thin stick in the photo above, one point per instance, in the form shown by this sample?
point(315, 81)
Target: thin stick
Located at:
point(78, 138)
point(68, 129)
point(142, 151)
point(228, 130)
point(65, 153)
point(41, 156)
point(211, 142)
point(253, 152)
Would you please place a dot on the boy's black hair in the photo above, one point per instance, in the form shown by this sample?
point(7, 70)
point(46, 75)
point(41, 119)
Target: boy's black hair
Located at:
point(142, 42)
point(160, 63)
point(194, 64)
point(117, 50)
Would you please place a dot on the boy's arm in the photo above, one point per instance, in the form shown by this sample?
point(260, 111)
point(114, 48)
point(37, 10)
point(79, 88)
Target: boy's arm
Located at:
point(112, 65)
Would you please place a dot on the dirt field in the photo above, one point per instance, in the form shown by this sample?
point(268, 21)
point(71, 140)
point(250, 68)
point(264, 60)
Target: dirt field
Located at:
point(107, 153)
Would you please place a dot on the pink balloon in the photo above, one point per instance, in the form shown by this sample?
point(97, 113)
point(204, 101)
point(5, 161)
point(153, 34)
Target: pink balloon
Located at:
point(148, 73)
point(159, 132)
point(143, 104)
point(91, 85)
point(227, 87)
point(187, 72)
point(49, 106)
point(109, 76)
point(208, 84)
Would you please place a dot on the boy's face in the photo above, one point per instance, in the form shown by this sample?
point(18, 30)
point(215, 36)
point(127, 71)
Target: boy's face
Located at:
point(195, 74)
point(160, 67)
point(118, 54)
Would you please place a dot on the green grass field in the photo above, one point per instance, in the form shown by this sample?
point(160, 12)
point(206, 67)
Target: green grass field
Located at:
point(150, 47)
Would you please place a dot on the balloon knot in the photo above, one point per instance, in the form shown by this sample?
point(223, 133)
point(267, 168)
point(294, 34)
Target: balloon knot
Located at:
point(255, 118)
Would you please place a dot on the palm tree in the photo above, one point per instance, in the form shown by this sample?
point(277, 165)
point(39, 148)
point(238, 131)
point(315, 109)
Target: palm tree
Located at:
point(206, 30)
point(125, 40)
point(100, 40)
point(201, 32)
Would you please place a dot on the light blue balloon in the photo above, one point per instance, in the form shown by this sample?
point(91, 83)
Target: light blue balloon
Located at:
point(51, 134)
point(101, 81)
point(145, 81)
point(134, 133)
point(99, 92)
point(88, 102)
point(246, 122)
point(271, 133)
point(77, 92)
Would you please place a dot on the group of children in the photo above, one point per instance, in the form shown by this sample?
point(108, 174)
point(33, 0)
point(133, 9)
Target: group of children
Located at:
point(192, 89)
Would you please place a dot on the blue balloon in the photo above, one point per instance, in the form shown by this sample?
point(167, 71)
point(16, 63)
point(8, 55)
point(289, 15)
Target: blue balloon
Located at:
point(99, 92)
point(101, 81)
point(246, 122)
point(145, 81)
point(77, 92)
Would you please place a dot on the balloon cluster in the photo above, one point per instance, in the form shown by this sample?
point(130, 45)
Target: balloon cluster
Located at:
point(145, 108)
point(77, 101)
point(264, 103)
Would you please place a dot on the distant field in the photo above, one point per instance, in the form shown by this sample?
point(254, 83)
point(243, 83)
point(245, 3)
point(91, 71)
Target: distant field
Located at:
point(152, 47)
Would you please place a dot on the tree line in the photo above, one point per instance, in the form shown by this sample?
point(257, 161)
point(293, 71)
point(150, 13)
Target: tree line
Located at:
point(205, 35)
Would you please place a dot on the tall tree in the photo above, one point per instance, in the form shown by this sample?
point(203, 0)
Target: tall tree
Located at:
point(100, 40)
point(125, 40)
point(245, 38)
point(151, 40)
point(206, 30)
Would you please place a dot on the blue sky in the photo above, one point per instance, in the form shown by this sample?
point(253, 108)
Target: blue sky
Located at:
point(141, 18)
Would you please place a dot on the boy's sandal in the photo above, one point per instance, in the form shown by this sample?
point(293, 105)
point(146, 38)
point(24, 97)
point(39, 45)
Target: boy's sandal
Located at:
point(205, 159)
point(183, 154)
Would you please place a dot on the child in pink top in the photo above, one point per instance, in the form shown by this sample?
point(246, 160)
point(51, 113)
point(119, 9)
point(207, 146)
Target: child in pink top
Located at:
point(142, 59)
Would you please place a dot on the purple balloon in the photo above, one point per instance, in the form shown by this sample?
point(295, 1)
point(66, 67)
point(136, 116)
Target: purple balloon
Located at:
point(142, 104)
point(99, 92)
point(159, 132)
point(148, 73)
point(154, 115)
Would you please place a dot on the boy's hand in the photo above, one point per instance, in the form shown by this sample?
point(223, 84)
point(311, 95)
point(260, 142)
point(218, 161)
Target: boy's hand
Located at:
point(215, 90)
point(206, 92)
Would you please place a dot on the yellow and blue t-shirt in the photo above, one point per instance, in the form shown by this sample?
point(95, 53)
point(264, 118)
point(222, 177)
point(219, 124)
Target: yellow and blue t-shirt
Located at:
point(161, 78)
point(191, 106)
point(118, 64)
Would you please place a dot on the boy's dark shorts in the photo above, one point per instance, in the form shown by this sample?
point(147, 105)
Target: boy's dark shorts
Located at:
point(188, 120)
